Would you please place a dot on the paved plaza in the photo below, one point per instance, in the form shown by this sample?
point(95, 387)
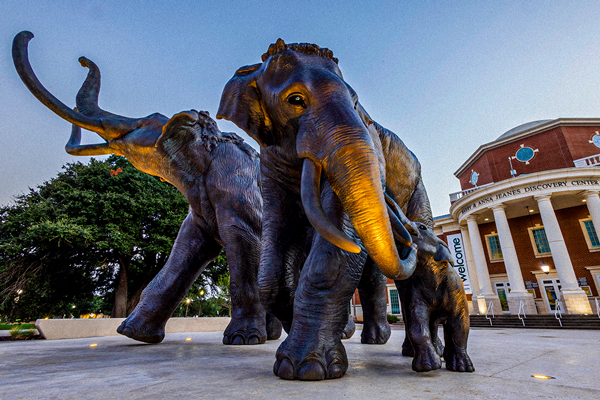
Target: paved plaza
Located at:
point(203, 368)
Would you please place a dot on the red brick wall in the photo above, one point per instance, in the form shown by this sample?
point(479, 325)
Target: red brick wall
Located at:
point(557, 147)
point(482, 167)
point(578, 137)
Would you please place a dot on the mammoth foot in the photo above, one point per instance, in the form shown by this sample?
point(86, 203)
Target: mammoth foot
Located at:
point(375, 333)
point(310, 364)
point(349, 329)
point(458, 360)
point(426, 360)
point(407, 348)
point(409, 351)
point(139, 328)
point(249, 330)
point(274, 328)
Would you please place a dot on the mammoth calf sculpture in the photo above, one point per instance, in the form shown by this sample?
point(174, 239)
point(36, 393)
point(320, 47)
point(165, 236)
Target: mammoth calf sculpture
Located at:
point(434, 294)
point(217, 173)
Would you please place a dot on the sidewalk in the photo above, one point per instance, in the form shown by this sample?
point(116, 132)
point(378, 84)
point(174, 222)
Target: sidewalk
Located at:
point(203, 368)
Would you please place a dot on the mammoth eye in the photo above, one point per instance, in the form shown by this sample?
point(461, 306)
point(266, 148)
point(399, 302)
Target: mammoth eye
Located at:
point(422, 227)
point(296, 100)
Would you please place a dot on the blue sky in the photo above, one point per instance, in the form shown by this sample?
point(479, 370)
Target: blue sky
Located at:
point(445, 76)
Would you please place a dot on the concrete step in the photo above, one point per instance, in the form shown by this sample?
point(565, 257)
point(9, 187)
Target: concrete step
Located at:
point(538, 321)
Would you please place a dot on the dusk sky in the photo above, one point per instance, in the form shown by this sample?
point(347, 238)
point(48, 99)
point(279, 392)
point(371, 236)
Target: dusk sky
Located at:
point(446, 76)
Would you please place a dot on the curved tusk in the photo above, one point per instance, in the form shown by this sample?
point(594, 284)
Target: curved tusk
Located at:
point(401, 234)
point(311, 200)
point(75, 148)
point(398, 221)
point(409, 265)
point(21, 61)
point(87, 102)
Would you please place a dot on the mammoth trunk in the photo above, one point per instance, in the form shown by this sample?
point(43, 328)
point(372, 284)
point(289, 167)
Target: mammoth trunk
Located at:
point(352, 168)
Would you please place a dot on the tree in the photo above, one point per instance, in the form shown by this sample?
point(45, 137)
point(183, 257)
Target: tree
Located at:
point(94, 235)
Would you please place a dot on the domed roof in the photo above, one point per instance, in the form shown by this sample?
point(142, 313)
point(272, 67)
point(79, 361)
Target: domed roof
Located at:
point(523, 128)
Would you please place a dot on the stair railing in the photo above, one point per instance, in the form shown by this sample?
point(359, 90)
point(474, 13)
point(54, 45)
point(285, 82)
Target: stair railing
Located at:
point(558, 312)
point(522, 310)
point(597, 307)
point(490, 308)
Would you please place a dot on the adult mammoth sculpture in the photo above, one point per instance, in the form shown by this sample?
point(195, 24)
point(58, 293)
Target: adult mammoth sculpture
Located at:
point(323, 163)
point(217, 173)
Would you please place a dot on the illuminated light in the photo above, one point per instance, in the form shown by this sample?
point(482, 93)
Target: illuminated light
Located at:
point(188, 301)
point(583, 201)
point(188, 339)
point(530, 210)
point(46, 318)
point(72, 306)
point(93, 344)
point(487, 219)
point(545, 268)
point(542, 377)
point(202, 292)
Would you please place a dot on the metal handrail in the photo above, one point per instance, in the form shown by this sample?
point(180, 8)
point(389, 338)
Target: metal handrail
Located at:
point(490, 308)
point(558, 312)
point(522, 309)
point(597, 307)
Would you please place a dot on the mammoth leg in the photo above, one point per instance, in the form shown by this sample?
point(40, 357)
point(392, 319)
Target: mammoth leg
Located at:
point(372, 288)
point(283, 251)
point(456, 329)
point(426, 357)
point(191, 253)
point(248, 317)
point(313, 349)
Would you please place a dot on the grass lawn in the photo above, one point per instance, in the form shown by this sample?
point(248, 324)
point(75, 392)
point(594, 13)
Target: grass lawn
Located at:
point(5, 327)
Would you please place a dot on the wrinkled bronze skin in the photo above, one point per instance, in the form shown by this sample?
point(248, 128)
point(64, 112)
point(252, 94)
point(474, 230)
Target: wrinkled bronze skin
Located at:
point(219, 176)
point(309, 123)
point(434, 294)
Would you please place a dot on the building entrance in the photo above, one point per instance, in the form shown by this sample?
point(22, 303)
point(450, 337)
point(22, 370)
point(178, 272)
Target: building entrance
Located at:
point(551, 292)
point(502, 289)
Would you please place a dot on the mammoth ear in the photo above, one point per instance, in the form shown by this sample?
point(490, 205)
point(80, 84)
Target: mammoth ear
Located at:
point(242, 105)
point(443, 254)
point(363, 114)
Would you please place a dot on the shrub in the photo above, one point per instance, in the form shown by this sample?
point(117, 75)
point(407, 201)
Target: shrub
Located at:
point(392, 318)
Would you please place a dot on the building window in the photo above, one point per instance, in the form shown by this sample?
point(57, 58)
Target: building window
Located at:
point(394, 301)
point(539, 241)
point(590, 235)
point(493, 246)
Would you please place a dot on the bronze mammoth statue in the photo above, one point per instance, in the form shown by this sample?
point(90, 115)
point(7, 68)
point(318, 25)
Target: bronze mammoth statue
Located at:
point(217, 173)
point(323, 164)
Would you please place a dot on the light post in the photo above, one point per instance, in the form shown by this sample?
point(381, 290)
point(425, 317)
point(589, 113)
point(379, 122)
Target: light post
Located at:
point(187, 305)
point(201, 293)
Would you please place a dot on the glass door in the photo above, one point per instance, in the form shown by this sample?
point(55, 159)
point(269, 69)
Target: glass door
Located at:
point(502, 289)
point(394, 301)
point(551, 291)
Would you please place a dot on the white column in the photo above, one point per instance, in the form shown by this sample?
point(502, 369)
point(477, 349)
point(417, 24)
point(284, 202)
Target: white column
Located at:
point(470, 268)
point(575, 299)
point(486, 294)
point(593, 205)
point(518, 292)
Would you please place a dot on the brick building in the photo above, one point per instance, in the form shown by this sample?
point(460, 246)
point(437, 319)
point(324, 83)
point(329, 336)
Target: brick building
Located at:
point(522, 228)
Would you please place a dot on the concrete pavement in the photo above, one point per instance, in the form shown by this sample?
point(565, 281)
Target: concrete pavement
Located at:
point(203, 368)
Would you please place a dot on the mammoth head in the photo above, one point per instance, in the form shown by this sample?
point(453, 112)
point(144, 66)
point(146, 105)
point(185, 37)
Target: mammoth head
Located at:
point(431, 246)
point(297, 99)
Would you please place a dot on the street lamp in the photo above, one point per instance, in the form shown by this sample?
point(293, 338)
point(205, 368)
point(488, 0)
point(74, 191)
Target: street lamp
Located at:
point(201, 293)
point(187, 305)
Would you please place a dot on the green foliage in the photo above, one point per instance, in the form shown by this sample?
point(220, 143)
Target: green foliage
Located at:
point(209, 295)
point(62, 244)
point(16, 332)
point(392, 318)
